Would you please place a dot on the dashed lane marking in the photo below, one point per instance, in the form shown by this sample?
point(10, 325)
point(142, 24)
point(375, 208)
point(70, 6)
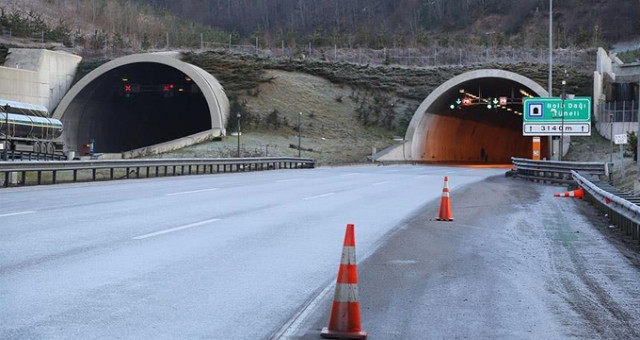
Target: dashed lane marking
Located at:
point(192, 192)
point(319, 196)
point(166, 231)
point(18, 213)
point(288, 180)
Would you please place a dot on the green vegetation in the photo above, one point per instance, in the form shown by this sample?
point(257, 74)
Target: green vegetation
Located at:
point(115, 25)
point(32, 25)
point(630, 56)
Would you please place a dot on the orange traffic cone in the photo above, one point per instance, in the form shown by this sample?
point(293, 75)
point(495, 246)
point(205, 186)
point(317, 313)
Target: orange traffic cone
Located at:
point(579, 193)
point(344, 320)
point(445, 203)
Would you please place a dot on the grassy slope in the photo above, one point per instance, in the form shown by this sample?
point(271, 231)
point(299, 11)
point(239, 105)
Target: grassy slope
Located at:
point(329, 126)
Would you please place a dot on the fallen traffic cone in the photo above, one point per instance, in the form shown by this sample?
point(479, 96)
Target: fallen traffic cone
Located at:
point(445, 203)
point(344, 320)
point(579, 193)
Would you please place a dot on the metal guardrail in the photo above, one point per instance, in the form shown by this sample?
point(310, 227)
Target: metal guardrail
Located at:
point(557, 171)
point(162, 167)
point(623, 209)
point(14, 155)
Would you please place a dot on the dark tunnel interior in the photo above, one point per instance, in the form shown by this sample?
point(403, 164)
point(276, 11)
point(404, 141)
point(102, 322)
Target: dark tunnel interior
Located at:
point(138, 105)
point(470, 124)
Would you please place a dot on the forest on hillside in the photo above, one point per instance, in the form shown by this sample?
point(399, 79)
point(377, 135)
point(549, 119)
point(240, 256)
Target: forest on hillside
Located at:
point(374, 24)
point(387, 23)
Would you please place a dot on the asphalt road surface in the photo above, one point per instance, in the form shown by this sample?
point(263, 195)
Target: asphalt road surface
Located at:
point(516, 263)
point(234, 256)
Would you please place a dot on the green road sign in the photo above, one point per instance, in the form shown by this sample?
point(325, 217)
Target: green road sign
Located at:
point(548, 117)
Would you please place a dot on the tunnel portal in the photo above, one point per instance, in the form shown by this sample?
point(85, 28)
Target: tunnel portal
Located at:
point(474, 117)
point(139, 101)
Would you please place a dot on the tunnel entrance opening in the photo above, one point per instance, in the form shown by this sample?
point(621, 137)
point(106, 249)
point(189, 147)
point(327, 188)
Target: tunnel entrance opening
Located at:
point(475, 118)
point(138, 105)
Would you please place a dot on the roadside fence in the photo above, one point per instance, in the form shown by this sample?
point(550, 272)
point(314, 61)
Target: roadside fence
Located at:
point(53, 172)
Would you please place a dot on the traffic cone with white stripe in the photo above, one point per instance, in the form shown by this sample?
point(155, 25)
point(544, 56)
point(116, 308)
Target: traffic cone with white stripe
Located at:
point(445, 203)
point(344, 320)
point(579, 193)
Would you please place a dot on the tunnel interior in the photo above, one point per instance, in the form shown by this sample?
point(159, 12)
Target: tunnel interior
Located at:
point(469, 123)
point(138, 105)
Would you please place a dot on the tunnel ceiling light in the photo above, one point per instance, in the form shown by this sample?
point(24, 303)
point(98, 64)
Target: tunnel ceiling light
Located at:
point(461, 90)
point(525, 93)
point(187, 79)
point(125, 79)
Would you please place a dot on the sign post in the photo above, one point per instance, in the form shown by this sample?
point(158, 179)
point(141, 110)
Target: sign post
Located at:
point(536, 149)
point(621, 140)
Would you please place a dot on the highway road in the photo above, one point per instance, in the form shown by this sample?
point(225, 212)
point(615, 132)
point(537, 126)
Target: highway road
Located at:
point(231, 256)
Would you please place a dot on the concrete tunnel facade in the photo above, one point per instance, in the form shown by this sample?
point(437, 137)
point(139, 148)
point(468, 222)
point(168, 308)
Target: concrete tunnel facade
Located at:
point(150, 102)
point(438, 133)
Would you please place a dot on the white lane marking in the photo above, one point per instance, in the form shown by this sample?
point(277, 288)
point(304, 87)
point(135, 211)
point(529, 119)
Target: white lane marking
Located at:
point(18, 213)
point(290, 329)
point(288, 180)
point(380, 183)
point(191, 192)
point(141, 237)
point(319, 196)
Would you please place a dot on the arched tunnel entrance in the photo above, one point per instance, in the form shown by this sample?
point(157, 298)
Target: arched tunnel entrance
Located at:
point(474, 117)
point(139, 101)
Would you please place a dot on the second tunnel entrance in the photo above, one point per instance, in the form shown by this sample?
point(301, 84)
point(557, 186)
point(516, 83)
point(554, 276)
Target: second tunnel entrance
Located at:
point(474, 117)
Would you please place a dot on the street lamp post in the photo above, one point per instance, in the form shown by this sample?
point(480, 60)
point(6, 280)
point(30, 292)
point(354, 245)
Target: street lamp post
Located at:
point(611, 137)
point(6, 132)
point(299, 146)
point(550, 67)
point(564, 83)
point(238, 116)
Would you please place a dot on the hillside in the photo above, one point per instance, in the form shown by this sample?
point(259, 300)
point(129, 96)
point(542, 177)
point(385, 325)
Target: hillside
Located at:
point(384, 23)
point(353, 99)
point(124, 26)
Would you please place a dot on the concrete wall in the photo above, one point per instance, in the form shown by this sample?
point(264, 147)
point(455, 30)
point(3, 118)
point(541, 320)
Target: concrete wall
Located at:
point(604, 63)
point(610, 69)
point(396, 152)
point(37, 76)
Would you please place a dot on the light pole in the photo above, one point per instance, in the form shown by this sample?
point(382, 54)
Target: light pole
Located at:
point(238, 116)
point(299, 147)
point(550, 67)
point(564, 83)
point(6, 132)
point(611, 137)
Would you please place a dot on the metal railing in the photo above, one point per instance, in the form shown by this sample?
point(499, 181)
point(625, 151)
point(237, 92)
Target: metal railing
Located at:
point(31, 173)
point(557, 171)
point(617, 112)
point(15, 155)
point(622, 208)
